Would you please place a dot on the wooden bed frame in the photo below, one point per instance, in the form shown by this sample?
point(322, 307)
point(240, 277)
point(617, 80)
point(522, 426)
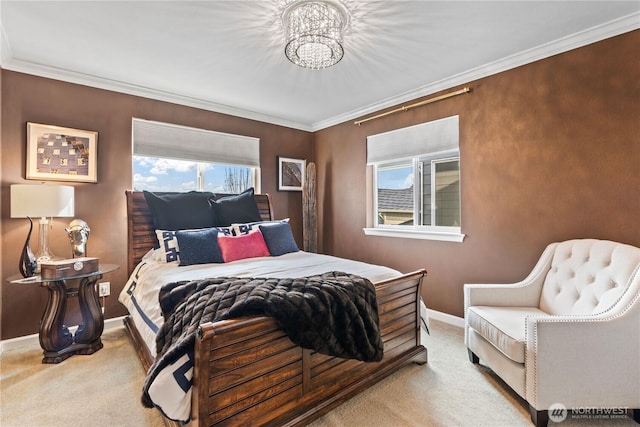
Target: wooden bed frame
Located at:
point(248, 372)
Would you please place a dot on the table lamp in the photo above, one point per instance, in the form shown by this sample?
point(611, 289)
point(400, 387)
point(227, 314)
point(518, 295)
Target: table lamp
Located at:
point(44, 201)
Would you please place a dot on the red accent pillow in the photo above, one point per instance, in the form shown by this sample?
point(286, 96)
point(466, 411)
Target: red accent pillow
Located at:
point(240, 247)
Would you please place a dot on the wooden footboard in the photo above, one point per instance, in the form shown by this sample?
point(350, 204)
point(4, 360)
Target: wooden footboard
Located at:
point(247, 371)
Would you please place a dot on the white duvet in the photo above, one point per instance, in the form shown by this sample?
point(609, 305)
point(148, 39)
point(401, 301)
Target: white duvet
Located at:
point(140, 297)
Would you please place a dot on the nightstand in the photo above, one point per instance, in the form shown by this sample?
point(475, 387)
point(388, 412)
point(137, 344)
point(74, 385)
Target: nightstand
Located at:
point(55, 338)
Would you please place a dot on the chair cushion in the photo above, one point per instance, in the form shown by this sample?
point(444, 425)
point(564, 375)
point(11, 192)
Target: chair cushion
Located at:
point(503, 327)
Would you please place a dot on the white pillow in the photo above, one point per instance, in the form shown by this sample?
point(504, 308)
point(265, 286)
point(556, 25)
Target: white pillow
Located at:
point(252, 227)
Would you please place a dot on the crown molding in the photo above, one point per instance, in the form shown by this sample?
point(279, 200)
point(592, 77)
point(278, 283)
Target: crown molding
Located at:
point(601, 32)
point(592, 35)
point(69, 76)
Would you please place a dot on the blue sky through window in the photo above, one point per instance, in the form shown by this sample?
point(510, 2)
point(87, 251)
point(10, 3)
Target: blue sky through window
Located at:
point(395, 178)
point(156, 174)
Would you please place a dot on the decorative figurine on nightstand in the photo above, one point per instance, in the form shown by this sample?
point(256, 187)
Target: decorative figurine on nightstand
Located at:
point(28, 264)
point(78, 232)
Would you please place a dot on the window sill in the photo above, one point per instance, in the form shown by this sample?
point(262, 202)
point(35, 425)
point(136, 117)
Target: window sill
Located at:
point(415, 234)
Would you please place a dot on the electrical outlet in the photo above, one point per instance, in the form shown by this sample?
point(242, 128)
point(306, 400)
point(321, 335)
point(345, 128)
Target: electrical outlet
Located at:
point(104, 289)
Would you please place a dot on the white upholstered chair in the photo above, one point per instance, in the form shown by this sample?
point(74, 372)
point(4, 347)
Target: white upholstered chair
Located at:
point(568, 334)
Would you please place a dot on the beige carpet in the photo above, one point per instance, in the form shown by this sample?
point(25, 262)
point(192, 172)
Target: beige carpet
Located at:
point(104, 389)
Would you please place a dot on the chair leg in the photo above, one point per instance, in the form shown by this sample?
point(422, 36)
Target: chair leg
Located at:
point(636, 415)
point(473, 358)
point(539, 418)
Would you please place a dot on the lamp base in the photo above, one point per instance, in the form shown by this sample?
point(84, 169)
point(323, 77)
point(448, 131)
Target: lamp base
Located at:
point(44, 254)
point(28, 265)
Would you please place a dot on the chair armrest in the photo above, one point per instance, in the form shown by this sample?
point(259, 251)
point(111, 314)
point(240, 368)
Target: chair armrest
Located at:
point(584, 361)
point(525, 293)
point(495, 295)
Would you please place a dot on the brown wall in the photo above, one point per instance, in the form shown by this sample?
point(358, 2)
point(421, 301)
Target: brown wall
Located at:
point(549, 151)
point(1, 204)
point(26, 98)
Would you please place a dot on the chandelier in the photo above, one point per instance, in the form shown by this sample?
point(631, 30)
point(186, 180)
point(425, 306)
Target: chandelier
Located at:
point(314, 33)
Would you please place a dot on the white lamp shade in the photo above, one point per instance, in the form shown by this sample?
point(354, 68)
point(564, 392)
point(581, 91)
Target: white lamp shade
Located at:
point(41, 200)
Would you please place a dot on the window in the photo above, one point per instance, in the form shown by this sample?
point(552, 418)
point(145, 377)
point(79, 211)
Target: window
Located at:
point(395, 202)
point(159, 174)
point(441, 193)
point(434, 202)
point(416, 181)
point(169, 157)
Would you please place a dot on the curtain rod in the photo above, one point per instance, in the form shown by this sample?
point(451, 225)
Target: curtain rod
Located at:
point(417, 104)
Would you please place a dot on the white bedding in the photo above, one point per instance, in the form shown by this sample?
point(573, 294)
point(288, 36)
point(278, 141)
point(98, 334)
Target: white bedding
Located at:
point(140, 295)
point(171, 390)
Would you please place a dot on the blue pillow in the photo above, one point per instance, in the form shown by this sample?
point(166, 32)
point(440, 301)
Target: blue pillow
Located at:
point(180, 211)
point(239, 208)
point(279, 238)
point(169, 250)
point(199, 247)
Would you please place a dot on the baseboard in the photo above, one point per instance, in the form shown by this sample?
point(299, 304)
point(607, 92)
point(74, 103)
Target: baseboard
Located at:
point(33, 340)
point(446, 318)
point(117, 322)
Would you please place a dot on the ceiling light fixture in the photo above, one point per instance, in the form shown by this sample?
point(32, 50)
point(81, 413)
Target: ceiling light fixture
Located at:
point(314, 32)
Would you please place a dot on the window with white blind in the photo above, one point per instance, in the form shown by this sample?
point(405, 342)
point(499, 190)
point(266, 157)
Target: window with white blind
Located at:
point(416, 181)
point(169, 157)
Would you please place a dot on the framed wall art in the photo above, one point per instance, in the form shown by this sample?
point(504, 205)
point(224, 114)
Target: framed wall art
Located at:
point(290, 174)
point(61, 154)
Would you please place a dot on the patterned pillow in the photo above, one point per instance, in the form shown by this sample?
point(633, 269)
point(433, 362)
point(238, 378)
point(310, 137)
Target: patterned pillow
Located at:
point(252, 227)
point(169, 250)
point(240, 247)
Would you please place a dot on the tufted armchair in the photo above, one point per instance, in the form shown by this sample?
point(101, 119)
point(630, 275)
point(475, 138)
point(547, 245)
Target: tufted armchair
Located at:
point(568, 334)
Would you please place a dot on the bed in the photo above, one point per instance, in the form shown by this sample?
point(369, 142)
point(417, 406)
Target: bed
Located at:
point(246, 370)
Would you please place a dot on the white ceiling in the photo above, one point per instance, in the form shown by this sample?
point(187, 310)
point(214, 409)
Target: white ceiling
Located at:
point(228, 56)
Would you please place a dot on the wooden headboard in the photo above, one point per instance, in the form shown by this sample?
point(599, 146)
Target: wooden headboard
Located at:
point(141, 234)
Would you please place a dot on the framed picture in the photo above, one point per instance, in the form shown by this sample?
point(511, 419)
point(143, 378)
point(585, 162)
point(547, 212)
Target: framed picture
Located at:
point(290, 174)
point(61, 154)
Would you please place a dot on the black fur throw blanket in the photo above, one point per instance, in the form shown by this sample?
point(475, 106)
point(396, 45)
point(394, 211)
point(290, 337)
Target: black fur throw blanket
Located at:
point(333, 313)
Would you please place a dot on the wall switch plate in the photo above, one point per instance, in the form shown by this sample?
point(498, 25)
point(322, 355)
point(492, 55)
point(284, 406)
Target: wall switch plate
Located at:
point(104, 289)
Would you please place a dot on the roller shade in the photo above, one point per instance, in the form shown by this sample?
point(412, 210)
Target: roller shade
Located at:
point(156, 139)
point(425, 138)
